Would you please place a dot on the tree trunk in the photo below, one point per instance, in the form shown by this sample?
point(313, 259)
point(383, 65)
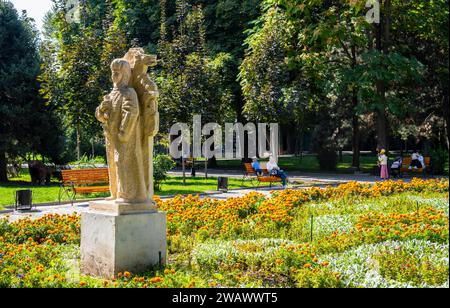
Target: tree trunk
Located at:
point(3, 165)
point(382, 44)
point(290, 140)
point(356, 142)
point(93, 148)
point(78, 143)
point(239, 109)
point(446, 117)
point(302, 135)
point(355, 119)
point(382, 129)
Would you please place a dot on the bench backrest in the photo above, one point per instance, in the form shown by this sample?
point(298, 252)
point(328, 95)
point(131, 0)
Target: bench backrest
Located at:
point(85, 176)
point(248, 168)
point(407, 161)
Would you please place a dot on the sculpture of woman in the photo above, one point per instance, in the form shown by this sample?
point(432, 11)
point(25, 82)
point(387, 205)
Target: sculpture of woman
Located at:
point(119, 113)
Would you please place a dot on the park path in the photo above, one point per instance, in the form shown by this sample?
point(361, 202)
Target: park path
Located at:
point(313, 179)
point(293, 176)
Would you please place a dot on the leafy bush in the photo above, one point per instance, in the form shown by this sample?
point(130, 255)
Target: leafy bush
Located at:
point(319, 278)
point(325, 144)
point(328, 159)
point(161, 164)
point(88, 162)
point(439, 158)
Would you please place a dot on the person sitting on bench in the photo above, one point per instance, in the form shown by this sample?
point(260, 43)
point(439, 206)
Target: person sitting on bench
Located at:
point(257, 166)
point(397, 166)
point(274, 170)
point(416, 161)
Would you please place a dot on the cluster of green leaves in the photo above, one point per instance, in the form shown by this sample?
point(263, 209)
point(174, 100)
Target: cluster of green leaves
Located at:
point(27, 125)
point(324, 61)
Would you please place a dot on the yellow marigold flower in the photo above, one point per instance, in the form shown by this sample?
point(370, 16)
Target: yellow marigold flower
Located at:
point(82, 283)
point(307, 265)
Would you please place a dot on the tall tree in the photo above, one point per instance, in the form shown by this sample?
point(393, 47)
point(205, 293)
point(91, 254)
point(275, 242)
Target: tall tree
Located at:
point(19, 67)
point(189, 78)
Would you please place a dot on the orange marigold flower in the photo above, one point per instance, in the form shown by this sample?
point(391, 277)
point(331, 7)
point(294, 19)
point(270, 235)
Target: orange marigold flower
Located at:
point(156, 279)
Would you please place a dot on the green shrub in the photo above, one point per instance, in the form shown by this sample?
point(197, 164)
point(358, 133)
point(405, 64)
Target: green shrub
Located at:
point(439, 158)
point(327, 158)
point(319, 278)
point(88, 162)
point(161, 164)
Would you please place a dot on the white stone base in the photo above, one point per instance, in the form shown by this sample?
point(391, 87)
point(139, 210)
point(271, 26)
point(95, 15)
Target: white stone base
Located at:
point(112, 207)
point(112, 243)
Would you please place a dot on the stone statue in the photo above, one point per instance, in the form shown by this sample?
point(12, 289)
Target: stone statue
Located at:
point(126, 232)
point(147, 92)
point(130, 119)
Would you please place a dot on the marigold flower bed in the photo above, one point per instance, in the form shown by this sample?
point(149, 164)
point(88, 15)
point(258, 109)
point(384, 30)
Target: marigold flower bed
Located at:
point(295, 238)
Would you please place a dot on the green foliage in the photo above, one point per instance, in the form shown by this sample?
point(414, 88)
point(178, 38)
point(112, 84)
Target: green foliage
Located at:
point(327, 158)
point(439, 159)
point(328, 58)
point(161, 164)
point(27, 125)
point(404, 266)
point(88, 162)
point(320, 278)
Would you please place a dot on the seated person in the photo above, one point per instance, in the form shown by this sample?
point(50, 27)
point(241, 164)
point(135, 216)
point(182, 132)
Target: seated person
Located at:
point(396, 166)
point(257, 167)
point(415, 160)
point(422, 161)
point(273, 169)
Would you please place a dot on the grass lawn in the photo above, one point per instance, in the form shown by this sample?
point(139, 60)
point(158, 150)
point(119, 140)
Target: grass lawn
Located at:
point(174, 185)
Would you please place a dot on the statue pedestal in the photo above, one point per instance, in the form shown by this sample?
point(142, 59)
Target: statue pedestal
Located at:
point(117, 238)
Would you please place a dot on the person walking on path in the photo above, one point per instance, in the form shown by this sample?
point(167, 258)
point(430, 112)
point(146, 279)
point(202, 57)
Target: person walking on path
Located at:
point(383, 163)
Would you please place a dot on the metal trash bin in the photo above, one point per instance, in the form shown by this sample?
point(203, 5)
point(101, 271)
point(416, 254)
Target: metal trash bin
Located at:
point(24, 200)
point(222, 184)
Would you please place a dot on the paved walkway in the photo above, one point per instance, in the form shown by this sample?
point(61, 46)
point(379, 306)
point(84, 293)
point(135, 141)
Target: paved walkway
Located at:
point(306, 179)
point(293, 176)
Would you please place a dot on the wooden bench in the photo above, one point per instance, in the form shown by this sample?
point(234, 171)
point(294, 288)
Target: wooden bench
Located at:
point(250, 172)
point(407, 161)
point(83, 182)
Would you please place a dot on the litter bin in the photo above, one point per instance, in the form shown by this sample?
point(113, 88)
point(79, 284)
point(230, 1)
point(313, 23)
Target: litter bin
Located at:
point(24, 200)
point(222, 184)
